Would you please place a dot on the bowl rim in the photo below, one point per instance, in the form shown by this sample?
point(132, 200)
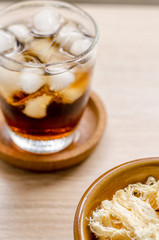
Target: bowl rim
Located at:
point(82, 203)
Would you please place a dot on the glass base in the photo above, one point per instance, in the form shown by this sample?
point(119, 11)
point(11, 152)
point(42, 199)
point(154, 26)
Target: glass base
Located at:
point(41, 146)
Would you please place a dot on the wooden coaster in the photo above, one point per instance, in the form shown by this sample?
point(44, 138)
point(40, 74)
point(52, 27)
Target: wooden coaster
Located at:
point(89, 132)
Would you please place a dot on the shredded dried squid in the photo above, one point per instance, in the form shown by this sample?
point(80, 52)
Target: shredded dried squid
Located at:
point(132, 214)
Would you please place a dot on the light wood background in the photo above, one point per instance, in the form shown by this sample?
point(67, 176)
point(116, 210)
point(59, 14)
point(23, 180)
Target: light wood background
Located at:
point(42, 206)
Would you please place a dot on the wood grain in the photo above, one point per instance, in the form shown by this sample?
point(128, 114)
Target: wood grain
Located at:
point(42, 206)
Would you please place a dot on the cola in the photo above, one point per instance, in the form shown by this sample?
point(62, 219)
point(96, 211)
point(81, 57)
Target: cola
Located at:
point(61, 118)
point(45, 102)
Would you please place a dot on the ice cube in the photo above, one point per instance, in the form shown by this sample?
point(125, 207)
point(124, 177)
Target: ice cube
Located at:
point(31, 80)
point(7, 41)
point(37, 107)
point(76, 90)
point(47, 52)
point(61, 80)
point(88, 63)
point(21, 32)
point(71, 94)
point(47, 21)
point(68, 34)
point(80, 46)
point(68, 31)
point(9, 82)
point(72, 39)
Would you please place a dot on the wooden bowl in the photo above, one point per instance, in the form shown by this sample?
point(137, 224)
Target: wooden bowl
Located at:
point(106, 185)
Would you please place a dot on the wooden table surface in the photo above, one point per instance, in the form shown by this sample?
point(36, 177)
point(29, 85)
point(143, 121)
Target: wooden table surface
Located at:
point(42, 206)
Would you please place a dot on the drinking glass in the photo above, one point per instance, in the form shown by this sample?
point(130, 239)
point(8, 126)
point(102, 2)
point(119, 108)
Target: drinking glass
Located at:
point(45, 121)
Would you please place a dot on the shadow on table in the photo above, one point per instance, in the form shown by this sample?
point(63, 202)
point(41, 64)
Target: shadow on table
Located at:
point(10, 173)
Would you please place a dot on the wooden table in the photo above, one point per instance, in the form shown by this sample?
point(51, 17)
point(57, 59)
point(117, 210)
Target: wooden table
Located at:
point(42, 206)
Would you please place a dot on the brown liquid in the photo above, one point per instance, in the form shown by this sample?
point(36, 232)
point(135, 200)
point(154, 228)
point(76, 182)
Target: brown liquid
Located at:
point(61, 119)
point(62, 114)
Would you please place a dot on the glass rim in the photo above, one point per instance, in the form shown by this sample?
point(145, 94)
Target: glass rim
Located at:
point(75, 59)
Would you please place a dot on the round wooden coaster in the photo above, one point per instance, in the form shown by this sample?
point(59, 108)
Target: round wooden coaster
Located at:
point(88, 134)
